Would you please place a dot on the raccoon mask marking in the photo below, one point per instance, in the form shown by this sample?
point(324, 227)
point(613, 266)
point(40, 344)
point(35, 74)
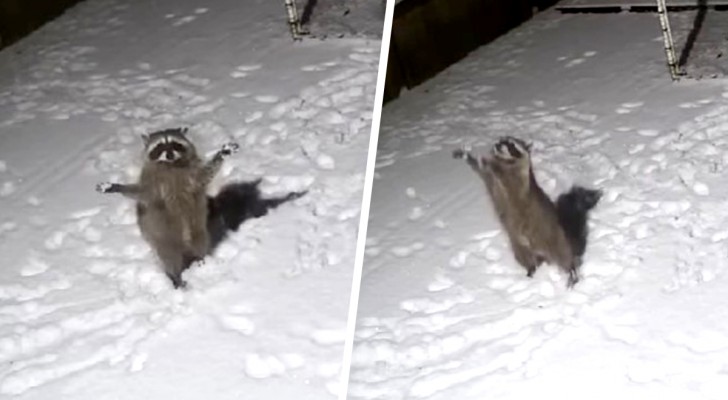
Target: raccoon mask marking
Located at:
point(169, 146)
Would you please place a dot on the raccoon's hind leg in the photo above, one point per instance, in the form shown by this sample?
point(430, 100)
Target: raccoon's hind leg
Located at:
point(570, 264)
point(573, 272)
point(573, 278)
point(177, 281)
point(199, 245)
point(174, 263)
point(526, 258)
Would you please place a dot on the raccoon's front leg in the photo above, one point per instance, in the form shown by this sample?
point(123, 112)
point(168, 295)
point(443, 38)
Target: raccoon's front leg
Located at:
point(131, 191)
point(474, 162)
point(212, 167)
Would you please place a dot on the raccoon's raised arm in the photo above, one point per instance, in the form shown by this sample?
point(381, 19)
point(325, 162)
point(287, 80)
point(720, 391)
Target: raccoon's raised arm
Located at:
point(212, 167)
point(474, 162)
point(131, 191)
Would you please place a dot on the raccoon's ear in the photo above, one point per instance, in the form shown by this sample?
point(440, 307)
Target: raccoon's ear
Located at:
point(528, 146)
point(145, 139)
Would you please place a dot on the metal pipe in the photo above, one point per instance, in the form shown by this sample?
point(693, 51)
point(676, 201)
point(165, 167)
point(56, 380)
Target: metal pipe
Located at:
point(293, 21)
point(667, 38)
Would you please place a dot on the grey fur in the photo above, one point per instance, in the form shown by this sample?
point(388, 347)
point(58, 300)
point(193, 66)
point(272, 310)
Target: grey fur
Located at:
point(171, 199)
point(526, 213)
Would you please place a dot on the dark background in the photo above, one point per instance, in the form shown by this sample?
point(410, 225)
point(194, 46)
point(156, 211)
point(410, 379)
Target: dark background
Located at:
point(20, 17)
point(429, 35)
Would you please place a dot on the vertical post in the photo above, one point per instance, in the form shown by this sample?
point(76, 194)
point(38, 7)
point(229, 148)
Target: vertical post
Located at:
point(293, 21)
point(667, 38)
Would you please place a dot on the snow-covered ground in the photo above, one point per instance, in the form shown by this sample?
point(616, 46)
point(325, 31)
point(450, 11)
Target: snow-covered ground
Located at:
point(85, 313)
point(337, 18)
point(446, 313)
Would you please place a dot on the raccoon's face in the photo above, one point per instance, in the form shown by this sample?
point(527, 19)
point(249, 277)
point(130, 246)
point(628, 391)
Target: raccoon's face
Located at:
point(512, 151)
point(169, 146)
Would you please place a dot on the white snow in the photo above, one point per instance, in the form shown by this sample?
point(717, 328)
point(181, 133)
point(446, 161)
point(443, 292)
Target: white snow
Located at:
point(85, 312)
point(455, 317)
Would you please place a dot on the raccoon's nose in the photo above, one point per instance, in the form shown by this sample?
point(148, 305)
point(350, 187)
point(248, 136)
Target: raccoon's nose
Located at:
point(169, 155)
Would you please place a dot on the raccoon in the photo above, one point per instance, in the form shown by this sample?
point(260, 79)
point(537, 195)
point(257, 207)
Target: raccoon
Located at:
point(171, 200)
point(538, 230)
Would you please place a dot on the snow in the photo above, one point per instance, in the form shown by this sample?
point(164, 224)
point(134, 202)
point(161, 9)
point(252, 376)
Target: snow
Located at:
point(446, 312)
point(703, 57)
point(85, 312)
point(336, 18)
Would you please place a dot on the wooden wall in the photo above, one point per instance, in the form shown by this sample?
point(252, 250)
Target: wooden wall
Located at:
point(18, 18)
point(430, 35)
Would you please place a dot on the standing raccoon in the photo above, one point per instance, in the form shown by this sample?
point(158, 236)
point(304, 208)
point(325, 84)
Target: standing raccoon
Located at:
point(171, 200)
point(539, 230)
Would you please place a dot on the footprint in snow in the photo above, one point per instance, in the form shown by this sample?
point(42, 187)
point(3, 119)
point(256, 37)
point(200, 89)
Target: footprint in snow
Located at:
point(266, 99)
point(184, 20)
point(648, 132)
point(244, 70)
point(440, 283)
point(574, 63)
point(259, 366)
point(238, 323)
point(626, 108)
point(406, 251)
point(7, 188)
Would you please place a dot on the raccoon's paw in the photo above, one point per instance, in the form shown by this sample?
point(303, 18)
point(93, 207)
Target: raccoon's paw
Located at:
point(229, 148)
point(177, 281)
point(105, 187)
point(465, 154)
point(462, 153)
point(573, 279)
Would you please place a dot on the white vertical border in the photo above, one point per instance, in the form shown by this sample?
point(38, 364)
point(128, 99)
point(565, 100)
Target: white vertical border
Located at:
point(366, 200)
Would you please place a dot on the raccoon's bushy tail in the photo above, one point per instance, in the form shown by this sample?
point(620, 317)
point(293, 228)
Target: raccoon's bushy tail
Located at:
point(237, 202)
point(573, 210)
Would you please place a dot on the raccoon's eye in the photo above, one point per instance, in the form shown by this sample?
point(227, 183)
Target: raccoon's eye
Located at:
point(179, 148)
point(156, 153)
